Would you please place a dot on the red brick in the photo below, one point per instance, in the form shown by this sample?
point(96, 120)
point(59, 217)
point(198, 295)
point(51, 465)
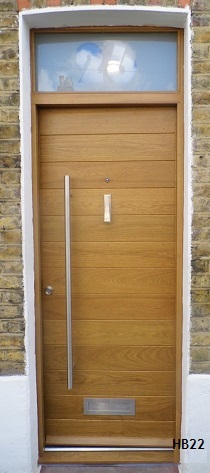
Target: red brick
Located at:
point(21, 4)
point(184, 3)
point(53, 3)
point(103, 2)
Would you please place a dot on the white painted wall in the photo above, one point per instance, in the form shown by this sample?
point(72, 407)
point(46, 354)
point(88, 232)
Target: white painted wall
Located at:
point(16, 454)
point(18, 413)
point(197, 424)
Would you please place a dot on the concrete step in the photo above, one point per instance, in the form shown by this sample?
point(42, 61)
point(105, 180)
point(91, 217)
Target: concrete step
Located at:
point(140, 468)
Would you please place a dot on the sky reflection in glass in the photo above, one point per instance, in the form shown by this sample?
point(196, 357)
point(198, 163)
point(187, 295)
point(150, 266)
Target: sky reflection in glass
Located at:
point(106, 62)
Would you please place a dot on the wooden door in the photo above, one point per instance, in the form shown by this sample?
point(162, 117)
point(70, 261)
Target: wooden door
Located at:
point(123, 273)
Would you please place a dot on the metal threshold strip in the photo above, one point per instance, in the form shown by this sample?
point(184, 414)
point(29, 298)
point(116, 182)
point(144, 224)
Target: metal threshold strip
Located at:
point(108, 449)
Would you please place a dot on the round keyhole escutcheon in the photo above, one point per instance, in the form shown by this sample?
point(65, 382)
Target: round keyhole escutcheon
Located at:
point(48, 290)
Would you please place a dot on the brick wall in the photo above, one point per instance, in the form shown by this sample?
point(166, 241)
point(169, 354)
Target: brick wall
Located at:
point(11, 294)
point(200, 328)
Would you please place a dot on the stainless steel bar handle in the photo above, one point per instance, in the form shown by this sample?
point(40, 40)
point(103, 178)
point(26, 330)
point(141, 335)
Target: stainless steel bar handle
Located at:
point(68, 281)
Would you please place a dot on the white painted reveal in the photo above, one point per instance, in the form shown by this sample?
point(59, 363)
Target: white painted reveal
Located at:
point(18, 424)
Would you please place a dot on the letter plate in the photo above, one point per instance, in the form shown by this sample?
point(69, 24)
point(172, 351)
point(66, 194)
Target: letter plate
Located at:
point(109, 407)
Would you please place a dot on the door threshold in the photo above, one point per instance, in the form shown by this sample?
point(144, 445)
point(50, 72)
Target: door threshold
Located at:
point(107, 449)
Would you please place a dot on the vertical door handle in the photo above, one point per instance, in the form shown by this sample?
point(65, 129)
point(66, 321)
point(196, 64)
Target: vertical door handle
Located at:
point(68, 281)
point(107, 208)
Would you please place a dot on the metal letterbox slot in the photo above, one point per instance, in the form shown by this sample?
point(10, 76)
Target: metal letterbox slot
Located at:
point(109, 407)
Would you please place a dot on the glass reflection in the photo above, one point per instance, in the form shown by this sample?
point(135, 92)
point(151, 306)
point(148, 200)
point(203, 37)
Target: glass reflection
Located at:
point(107, 62)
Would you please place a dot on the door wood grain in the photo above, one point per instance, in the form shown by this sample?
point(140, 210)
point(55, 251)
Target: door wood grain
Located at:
point(138, 228)
point(123, 274)
point(117, 307)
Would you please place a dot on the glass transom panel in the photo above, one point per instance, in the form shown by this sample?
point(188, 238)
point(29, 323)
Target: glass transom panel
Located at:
point(107, 62)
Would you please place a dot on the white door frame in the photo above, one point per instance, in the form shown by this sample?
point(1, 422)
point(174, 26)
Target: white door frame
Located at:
point(94, 16)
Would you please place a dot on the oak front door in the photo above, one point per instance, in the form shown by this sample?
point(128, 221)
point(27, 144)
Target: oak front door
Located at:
point(122, 166)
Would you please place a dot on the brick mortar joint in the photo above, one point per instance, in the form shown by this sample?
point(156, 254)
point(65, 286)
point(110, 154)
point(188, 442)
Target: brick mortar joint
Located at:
point(12, 348)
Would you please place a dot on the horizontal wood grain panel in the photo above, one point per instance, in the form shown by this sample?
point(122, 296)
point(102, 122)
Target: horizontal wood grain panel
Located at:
point(138, 228)
point(100, 332)
point(113, 280)
point(107, 98)
point(63, 121)
point(97, 307)
point(112, 383)
point(110, 254)
point(126, 202)
point(111, 428)
point(124, 174)
point(123, 274)
point(111, 357)
point(147, 409)
point(116, 147)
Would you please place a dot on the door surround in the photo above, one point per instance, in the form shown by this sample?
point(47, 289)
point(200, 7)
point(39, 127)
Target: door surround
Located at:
point(31, 19)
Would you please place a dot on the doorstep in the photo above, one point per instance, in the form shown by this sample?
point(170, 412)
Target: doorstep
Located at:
point(140, 468)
